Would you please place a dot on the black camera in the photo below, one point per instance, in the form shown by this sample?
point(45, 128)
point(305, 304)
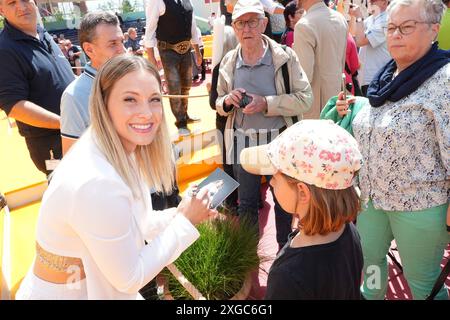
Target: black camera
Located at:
point(246, 99)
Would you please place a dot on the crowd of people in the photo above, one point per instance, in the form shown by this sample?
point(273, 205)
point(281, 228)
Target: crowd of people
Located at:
point(379, 170)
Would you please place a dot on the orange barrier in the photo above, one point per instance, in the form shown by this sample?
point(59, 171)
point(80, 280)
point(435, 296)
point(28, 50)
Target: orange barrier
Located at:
point(207, 52)
point(208, 37)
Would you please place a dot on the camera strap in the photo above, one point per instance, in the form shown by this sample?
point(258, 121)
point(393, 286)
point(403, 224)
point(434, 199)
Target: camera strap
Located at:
point(287, 86)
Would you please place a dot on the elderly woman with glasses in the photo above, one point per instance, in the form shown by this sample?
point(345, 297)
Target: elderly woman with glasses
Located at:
point(404, 136)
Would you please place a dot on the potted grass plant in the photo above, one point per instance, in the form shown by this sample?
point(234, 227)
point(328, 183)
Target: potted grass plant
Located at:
point(218, 265)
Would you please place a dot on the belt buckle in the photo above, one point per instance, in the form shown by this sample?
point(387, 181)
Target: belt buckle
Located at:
point(182, 47)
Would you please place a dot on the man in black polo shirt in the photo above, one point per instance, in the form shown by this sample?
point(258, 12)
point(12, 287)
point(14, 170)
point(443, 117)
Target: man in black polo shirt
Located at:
point(170, 27)
point(34, 74)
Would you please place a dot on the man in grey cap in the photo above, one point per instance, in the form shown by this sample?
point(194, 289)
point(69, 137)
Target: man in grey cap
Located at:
point(262, 89)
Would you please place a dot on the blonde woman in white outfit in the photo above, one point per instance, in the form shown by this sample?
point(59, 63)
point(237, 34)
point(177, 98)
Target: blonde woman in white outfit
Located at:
point(97, 210)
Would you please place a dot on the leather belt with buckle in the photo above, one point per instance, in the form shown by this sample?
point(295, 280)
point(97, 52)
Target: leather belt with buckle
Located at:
point(180, 47)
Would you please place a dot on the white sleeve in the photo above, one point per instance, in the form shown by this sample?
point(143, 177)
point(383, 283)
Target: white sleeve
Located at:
point(152, 12)
point(194, 32)
point(159, 220)
point(375, 33)
point(103, 219)
point(270, 6)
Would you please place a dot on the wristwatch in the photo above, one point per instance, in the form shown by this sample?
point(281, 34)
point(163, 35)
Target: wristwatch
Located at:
point(359, 19)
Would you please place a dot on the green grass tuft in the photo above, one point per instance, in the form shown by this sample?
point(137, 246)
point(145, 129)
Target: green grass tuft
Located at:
point(219, 261)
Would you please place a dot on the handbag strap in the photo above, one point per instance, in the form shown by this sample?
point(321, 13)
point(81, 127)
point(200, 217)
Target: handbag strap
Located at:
point(287, 85)
point(440, 281)
point(347, 68)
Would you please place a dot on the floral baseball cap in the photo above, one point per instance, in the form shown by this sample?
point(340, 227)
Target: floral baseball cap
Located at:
point(317, 152)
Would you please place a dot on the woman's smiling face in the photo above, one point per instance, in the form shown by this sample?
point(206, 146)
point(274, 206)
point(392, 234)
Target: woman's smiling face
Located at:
point(135, 108)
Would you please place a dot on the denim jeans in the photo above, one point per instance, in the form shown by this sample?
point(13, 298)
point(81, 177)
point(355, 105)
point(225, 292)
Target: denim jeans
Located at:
point(232, 199)
point(178, 74)
point(249, 191)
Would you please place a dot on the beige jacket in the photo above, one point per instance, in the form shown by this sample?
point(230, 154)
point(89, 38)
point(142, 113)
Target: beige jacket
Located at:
point(286, 105)
point(320, 40)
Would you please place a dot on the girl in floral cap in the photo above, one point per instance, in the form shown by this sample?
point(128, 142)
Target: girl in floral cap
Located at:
point(314, 164)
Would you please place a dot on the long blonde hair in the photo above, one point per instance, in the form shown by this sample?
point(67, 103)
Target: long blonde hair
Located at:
point(154, 163)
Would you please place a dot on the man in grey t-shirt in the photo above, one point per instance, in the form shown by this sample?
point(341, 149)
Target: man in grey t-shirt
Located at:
point(101, 39)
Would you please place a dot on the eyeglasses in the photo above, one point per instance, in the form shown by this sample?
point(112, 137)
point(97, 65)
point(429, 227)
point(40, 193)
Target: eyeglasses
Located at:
point(252, 23)
point(405, 28)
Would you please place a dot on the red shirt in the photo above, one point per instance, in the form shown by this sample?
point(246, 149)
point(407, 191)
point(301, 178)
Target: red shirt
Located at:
point(351, 58)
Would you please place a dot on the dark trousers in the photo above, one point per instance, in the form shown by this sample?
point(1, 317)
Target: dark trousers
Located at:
point(178, 75)
point(221, 121)
point(160, 201)
point(364, 90)
point(283, 222)
point(249, 194)
point(196, 70)
point(39, 149)
point(202, 51)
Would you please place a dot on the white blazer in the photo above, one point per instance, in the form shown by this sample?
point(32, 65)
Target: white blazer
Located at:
point(89, 212)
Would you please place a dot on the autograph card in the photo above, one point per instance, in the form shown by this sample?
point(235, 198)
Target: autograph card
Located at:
point(221, 185)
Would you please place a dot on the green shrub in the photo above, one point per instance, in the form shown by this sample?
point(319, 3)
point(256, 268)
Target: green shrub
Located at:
point(127, 7)
point(108, 6)
point(219, 261)
point(59, 16)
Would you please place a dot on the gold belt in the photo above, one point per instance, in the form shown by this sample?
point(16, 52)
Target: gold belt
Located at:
point(56, 262)
point(180, 47)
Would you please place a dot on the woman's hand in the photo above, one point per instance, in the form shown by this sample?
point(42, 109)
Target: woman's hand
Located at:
point(196, 207)
point(342, 105)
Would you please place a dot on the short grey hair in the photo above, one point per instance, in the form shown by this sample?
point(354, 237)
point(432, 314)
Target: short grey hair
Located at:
point(90, 22)
point(431, 10)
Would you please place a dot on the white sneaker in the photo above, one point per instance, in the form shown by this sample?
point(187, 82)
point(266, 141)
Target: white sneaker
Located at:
point(183, 132)
point(192, 119)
